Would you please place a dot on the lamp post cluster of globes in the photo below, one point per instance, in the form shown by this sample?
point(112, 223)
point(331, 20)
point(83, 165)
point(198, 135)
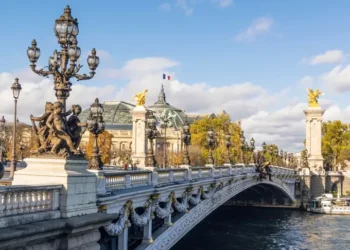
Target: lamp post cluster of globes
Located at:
point(152, 133)
point(63, 65)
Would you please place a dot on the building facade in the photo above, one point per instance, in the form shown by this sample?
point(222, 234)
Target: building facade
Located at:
point(118, 118)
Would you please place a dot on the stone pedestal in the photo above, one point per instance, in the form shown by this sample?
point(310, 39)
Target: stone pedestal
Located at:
point(139, 140)
point(314, 137)
point(78, 194)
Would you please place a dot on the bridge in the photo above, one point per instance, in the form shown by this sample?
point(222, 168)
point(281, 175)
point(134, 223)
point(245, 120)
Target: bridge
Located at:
point(141, 209)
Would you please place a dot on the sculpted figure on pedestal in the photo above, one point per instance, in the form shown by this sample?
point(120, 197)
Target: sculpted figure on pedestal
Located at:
point(56, 135)
point(313, 96)
point(140, 98)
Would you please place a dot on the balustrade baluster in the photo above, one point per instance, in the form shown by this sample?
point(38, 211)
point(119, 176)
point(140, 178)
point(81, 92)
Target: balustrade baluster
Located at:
point(2, 204)
point(15, 203)
point(32, 201)
point(8, 204)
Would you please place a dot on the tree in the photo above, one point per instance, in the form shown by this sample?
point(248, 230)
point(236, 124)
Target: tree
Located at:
point(24, 137)
point(335, 142)
point(104, 142)
point(221, 125)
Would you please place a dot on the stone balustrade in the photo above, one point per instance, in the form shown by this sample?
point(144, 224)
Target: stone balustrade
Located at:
point(116, 180)
point(127, 179)
point(25, 204)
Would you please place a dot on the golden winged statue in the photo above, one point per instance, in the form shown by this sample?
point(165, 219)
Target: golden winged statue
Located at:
point(313, 96)
point(140, 98)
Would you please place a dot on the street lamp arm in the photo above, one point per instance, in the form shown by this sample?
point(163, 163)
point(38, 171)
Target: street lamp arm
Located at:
point(41, 72)
point(84, 76)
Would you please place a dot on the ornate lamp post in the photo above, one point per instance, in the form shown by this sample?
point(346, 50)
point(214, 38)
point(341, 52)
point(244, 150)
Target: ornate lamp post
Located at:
point(281, 157)
point(242, 138)
point(285, 159)
point(186, 139)
point(228, 146)
point(271, 152)
point(165, 145)
point(264, 147)
point(66, 30)
point(96, 126)
point(22, 147)
point(16, 89)
point(211, 145)
point(151, 133)
point(252, 148)
point(2, 126)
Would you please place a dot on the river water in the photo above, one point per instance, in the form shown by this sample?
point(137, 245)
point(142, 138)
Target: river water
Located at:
point(266, 228)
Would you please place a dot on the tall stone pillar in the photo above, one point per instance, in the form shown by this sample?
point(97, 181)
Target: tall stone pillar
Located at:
point(139, 140)
point(314, 136)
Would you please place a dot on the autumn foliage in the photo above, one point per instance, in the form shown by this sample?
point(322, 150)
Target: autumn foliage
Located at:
point(221, 124)
point(104, 143)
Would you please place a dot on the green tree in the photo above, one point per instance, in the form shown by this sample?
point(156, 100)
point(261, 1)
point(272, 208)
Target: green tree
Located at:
point(336, 139)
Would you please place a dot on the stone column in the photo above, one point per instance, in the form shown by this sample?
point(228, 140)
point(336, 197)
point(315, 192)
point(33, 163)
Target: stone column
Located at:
point(123, 239)
point(313, 137)
point(139, 140)
point(147, 233)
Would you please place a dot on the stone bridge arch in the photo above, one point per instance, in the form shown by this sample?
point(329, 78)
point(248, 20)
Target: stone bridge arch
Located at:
point(189, 220)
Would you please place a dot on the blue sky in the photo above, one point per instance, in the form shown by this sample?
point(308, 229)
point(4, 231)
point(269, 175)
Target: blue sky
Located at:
point(202, 42)
point(215, 46)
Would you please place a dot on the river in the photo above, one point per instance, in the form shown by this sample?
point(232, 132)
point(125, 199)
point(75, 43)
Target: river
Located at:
point(265, 228)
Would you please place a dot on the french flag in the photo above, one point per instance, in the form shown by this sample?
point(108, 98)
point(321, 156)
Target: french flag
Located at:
point(166, 77)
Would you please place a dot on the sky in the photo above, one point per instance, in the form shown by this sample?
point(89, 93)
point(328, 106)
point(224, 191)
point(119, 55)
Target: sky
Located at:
point(252, 58)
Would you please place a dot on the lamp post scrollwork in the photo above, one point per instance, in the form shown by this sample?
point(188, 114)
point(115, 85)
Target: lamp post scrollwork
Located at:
point(96, 126)
point(151, 134)
point(66, 30)
point(211, 144)
point(186, 139)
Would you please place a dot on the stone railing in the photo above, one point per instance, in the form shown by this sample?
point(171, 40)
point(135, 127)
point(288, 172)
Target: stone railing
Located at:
point(127, 179)
point(25, 204)
point(110, 181)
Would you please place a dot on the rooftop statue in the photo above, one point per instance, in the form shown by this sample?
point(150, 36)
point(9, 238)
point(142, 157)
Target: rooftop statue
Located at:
point(313, 96)
point(140, 98)
point(56, 135)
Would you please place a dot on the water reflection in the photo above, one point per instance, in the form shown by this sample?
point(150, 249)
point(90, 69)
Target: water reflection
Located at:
point(262, 228)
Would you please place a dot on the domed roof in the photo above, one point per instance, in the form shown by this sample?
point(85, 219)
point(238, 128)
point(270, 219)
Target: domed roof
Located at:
point(160, 105)
point(115, 112)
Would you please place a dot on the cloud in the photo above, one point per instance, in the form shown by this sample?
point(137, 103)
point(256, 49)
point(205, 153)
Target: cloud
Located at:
point(330, 56)
point(165, 7)
point(223, 3)
point(307, 81)
point(260, 26)
point(337, 79)
point(186, 6)
point(247, 101)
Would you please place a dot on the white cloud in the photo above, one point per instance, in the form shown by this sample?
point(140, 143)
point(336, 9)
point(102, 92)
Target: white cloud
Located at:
point(338, 79)
point(307, 81)
point(330, 56)
point(260, 26)
point(165, 7)
point(223, 3)
point(186, 6)
point(247, 101)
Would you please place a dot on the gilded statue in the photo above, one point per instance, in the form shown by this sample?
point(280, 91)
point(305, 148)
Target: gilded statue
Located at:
point(140, 98)
point(313, 96)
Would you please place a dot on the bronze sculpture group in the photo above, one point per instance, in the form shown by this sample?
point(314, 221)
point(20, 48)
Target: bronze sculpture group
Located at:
point(56, 134)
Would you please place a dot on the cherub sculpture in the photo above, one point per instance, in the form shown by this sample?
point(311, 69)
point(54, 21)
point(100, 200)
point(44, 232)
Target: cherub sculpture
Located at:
point(55, 134)
point(140, 98)
point(313, 96)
